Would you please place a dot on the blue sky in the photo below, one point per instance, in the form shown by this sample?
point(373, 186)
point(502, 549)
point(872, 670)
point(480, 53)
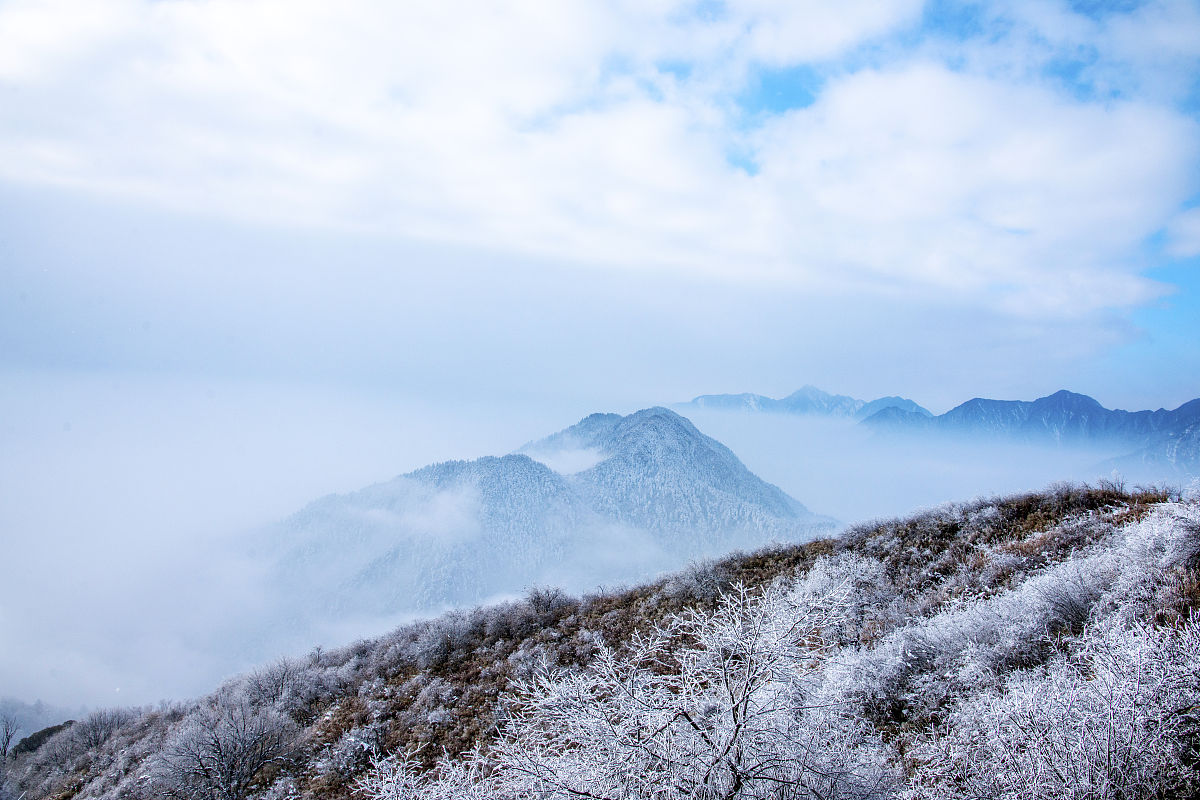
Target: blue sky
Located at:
point(253, 251)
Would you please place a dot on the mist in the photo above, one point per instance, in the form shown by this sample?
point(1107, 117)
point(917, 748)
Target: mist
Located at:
point(131, 505)
point(127, 500)
point(844, 469)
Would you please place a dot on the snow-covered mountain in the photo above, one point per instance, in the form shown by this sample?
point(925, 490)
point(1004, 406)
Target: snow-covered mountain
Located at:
point(1164, 438)
point(609, 500)
point(806, 400)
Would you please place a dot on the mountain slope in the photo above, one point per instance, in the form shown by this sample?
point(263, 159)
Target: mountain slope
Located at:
point(962, 633)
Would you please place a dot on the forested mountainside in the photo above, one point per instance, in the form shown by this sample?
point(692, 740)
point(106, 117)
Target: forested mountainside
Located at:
point(1040, 645)
point(609, 500)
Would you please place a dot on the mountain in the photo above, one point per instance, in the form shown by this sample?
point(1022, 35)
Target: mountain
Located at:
point(806, 400)
point(1162, 438)
point(610, 499)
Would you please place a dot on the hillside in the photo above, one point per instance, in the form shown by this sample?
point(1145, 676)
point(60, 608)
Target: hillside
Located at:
point(921, 632)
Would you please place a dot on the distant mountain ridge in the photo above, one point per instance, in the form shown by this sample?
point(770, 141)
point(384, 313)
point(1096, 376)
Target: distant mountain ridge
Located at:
point(806, 400)
point(637, 494)
point(1164, 437)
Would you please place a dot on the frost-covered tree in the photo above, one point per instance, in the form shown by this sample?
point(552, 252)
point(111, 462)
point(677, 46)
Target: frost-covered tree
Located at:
point(218, 750)
point(1120, 721)
point(709, 705)
point(272, 684)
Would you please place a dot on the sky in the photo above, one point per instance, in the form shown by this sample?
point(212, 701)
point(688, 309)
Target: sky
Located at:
point(256, 251)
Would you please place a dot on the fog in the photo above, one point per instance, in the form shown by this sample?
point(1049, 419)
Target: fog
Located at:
point(125, 501)
point(841, 468)
point(128, 501)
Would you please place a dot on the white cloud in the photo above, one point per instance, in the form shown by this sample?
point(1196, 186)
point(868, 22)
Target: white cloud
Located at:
point(1183, 234)
point(1148, 51)
point(549, 130)
point(971, 184)
point(41, 40)
point(788, 33)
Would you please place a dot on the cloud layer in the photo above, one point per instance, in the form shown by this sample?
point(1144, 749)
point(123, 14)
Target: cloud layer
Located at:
point(1021, 156)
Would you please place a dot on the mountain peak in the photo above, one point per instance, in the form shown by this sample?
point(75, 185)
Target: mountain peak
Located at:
point(656, 412)
point(657, 420)
point(604, 432)
point(809, 399)
point(1068, 398)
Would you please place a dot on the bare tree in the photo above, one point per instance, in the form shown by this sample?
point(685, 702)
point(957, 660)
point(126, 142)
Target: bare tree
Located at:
point(219, 750)
point(96, 728)
point(8, 734)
